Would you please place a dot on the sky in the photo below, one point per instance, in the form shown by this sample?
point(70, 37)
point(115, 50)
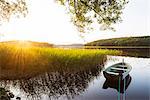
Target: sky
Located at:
point(47, 21)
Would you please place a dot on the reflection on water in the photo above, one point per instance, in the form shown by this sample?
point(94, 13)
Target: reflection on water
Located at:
point(141, 53)
point(120, 86)
point(137, 86)
point(85, 84)
point(54, 84)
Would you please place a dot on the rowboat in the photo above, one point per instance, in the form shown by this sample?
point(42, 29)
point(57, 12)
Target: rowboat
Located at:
point(117, 71)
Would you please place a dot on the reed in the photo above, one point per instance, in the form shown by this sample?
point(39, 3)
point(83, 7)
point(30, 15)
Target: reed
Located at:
point(23, 61)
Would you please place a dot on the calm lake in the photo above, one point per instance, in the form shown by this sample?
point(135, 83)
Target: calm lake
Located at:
point(86, 84)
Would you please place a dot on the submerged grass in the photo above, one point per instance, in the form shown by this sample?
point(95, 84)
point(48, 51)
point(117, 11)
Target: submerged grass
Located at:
point(20, 61)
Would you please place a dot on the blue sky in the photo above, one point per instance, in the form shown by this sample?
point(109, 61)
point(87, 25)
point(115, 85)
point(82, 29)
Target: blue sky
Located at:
point(48, 22)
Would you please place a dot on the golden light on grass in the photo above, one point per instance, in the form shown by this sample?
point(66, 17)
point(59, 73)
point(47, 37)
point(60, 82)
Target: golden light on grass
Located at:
point(24, 58)
point(23, 43)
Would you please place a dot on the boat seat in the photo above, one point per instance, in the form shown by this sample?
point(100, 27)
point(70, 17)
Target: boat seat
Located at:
point(117, 71)
point(113, 73)
point(122, 67)
point(115, 68)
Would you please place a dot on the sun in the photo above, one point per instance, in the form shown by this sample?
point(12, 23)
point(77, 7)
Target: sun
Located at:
point(43, 25)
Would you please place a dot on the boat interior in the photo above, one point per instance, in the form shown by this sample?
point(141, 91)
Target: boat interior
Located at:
point(118, 69)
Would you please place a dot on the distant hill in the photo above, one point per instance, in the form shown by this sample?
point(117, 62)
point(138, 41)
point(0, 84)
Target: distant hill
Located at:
point(24, 43)
point(125, 41)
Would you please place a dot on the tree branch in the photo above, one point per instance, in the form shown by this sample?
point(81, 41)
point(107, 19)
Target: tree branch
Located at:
point(90, 8)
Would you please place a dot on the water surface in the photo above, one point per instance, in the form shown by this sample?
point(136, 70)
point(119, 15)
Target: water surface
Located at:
point(138, 89)
point(84, 84)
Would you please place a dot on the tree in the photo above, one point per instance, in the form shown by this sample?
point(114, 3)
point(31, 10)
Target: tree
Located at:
point(12, 7)
point(83, 12)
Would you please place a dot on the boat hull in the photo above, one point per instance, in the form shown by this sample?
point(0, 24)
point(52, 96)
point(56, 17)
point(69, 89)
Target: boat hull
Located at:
point(112, 77)
point(116, 76)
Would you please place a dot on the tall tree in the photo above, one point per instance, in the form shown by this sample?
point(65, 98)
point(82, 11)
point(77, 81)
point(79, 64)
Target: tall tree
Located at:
point(83, 12)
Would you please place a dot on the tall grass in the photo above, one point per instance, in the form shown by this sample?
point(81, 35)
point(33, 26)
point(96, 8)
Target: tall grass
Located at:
point(20, 61)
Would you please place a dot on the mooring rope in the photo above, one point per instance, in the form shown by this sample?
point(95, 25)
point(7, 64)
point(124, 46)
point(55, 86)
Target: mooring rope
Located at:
point(119, 88)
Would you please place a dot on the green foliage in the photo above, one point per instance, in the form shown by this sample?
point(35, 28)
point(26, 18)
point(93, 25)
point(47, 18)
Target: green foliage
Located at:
point(128, 41)
point(85, 12)
point(12, 7)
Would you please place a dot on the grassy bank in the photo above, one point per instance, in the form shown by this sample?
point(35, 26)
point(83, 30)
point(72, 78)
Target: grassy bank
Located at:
point(20, 61)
